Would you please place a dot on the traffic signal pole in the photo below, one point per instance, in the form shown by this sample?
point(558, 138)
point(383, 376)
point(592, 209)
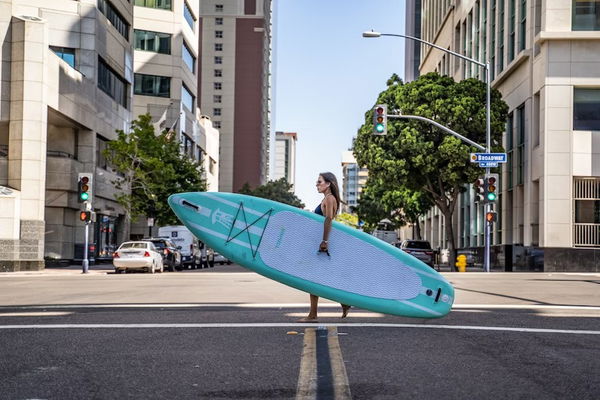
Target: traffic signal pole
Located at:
point(488, 145)
point(86, 263)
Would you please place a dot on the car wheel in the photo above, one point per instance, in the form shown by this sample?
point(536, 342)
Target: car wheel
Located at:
point(211, 263)
point(162, 268)
point(153, 268)
point(228, 262)
point(172, 267)
point(118, 271)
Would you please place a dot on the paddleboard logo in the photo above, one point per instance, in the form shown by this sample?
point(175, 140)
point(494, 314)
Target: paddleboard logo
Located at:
point(222, 218)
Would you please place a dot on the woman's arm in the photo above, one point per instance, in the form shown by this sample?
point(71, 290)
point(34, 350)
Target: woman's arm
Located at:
point(329, 207)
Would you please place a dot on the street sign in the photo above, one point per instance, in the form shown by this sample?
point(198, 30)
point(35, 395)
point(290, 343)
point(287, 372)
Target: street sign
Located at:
point(488, 157)
point(488, 164)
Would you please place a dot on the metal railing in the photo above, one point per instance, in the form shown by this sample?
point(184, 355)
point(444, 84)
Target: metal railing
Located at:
point(586, 235)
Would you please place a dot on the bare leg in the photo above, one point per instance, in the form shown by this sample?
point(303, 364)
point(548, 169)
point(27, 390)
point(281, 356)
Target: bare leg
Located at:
point(312, 314)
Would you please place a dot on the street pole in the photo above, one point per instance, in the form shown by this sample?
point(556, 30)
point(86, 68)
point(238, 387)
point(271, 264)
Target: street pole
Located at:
point(488, 133)
point(86, 263)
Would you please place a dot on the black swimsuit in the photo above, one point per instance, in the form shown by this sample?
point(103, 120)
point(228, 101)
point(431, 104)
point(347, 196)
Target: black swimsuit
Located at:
point(318, 210)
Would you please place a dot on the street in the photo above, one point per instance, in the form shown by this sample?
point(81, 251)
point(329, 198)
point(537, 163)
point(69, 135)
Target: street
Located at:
point(226, 333)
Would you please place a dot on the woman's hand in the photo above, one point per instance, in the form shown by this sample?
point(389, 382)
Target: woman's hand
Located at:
point(323, 246)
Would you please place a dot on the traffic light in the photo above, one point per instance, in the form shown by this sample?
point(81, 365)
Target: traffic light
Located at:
point(491, 216)
point(491, 187)
point(380, 119)
point(85, 216)
point(480, 189)
point(84, 187)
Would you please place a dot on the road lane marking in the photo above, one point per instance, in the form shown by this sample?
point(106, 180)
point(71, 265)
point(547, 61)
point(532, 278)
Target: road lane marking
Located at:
point(341, 386)
point(307, 378)
point(287, 325)
point(36, 314)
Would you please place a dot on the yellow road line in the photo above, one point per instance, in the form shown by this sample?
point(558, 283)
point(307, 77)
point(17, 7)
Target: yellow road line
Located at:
point(341, 386)
point(307, 379)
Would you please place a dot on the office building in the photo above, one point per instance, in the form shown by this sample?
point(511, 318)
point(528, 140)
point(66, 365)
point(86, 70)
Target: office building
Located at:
point(544, 58)
point(354, 179)
point(285, 156)
point(235, 39)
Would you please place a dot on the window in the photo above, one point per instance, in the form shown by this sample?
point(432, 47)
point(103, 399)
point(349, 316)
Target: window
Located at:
point(217, 98)
point(586, 15)
point(218, 34)
point(217, 124)
point(111, 83)
point(492, 38)
point(188, 57)
point(523, 25)
point(152, 85)
point(509, 150)
point(218, 60)
point(218, 46)
point(218, 73)
point(219, 21)
point(521, 144)
point(114, 17)
point(67, 54)
point(536, 131)
point(511, 31)
point(586, 110)
point(189, 17)
point(152, 41)
point(101, 146)
point(218, 86)
point(216, 112)
point(164, 4)
point(186, 98)
point(500, 35)
point(218, 7)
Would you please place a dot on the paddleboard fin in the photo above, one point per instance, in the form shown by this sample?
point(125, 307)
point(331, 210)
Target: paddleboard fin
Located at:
point(246, 229)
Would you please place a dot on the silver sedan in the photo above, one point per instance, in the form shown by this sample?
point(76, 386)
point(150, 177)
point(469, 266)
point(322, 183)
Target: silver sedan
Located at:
point(137, 255)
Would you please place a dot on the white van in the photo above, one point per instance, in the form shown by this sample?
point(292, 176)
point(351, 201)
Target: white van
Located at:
point(193, 252)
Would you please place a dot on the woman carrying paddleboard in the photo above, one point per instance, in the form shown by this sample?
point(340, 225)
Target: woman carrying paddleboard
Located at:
point(328, 186)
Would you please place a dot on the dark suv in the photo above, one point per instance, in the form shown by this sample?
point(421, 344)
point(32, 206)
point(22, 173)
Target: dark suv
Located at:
point(171, 253)
point(420, 249)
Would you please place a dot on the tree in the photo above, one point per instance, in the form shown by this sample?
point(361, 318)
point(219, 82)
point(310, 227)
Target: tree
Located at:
point(152, 167)
point(348, 219)
point(416, 155)
point(279, 190)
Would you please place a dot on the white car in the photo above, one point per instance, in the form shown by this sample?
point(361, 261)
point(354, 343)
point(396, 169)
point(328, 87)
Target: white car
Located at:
point(137, 255)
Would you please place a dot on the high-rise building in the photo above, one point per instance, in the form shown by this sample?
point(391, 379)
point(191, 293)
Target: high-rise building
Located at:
point(544, 59)
point(354, 179)
point(235, 39)
point(412, 50)
point(285, 156)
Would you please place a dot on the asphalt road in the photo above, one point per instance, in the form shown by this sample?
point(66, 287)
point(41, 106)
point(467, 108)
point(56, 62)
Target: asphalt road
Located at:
point(225, 333)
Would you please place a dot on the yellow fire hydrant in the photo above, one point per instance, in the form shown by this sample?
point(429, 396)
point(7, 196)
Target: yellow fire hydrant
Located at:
point(461, 263)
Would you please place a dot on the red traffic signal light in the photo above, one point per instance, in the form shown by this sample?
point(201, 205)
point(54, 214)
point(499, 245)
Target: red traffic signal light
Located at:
point(491, 216)
point(85, 216)
point(380, 119)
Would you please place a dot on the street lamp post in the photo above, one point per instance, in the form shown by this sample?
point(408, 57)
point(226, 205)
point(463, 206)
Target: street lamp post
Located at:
point(488, 136)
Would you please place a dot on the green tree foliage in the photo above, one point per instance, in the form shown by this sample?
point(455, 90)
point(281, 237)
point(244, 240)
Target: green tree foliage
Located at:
point(152, 168)
point(348, 219)
point(279, 190)
point(419, 157)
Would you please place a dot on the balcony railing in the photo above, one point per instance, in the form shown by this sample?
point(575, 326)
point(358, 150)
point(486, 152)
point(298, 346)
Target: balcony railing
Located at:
point(586, 235)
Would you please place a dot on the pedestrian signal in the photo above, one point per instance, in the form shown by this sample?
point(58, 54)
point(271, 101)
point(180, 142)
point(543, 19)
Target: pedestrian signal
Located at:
point(380, 119)
point(491, 216)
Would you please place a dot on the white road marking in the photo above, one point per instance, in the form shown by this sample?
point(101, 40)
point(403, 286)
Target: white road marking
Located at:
point(287, 325)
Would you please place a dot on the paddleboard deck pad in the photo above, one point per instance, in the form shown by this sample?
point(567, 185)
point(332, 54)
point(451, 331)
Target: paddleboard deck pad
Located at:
point(281, 242)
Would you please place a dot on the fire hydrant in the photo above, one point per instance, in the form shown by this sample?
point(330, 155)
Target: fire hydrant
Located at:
point(461, 263)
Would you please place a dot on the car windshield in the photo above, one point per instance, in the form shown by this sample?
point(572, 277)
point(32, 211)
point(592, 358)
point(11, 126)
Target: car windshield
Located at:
point(159, 245)
point(418, 245)
point(134, 245)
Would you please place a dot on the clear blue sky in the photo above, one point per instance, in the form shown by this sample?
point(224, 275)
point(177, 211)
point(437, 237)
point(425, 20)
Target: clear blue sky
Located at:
point(326, 76)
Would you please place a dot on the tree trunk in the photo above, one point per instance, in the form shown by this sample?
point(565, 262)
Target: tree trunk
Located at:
point(418, 230)
point(449, 229)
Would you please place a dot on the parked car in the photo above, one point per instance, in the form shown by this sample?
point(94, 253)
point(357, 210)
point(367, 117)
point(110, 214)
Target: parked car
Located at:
point(137, 255)
point(420, 249)
point(170, 252)
point(221, 259)
point(193, 252)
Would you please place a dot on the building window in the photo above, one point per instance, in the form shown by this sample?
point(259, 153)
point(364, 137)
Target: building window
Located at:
point(509, 150)
point(101, 146)
point(218, 73)
point(152, 85)
point(189, 17)
point(500, 36)
point(188, 57)
point(218, 60)
point(218, 7)
point(521, 144)
point(219, 21)
point(586, 15)
point(66, 53)
point(523, 25)
point(114, 17)
point(218, 46)
point(492, 38)
point(217, 98)
point(586, 110)
point(111, 83)
point(511, 30)
point(152, 41)
point(164, 4)
point(187, 98)
point(217, 124)
point(218, 85)
point(218, 34)
point(216, 112)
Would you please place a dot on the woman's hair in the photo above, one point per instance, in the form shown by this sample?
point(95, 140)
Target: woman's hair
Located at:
point(333, 185)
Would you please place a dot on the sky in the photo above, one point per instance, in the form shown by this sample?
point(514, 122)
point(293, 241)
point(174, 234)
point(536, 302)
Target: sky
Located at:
point(326, 76)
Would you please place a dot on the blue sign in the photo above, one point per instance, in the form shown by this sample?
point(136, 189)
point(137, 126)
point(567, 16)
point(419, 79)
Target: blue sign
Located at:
point(488, 157)
point(488, 164)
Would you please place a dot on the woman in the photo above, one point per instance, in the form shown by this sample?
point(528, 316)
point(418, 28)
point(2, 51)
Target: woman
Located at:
point(328, 186)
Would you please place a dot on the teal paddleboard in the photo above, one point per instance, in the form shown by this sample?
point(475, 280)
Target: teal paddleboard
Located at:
point(281, 242)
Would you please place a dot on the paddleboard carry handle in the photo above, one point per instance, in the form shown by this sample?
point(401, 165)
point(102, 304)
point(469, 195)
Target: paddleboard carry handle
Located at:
point(324, 251)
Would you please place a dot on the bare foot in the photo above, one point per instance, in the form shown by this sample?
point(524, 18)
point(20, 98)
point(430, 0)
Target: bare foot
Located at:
point(345, 310)
point(308, 319)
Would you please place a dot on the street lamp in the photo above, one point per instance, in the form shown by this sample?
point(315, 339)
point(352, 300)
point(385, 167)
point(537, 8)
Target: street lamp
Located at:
point(488, 140)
